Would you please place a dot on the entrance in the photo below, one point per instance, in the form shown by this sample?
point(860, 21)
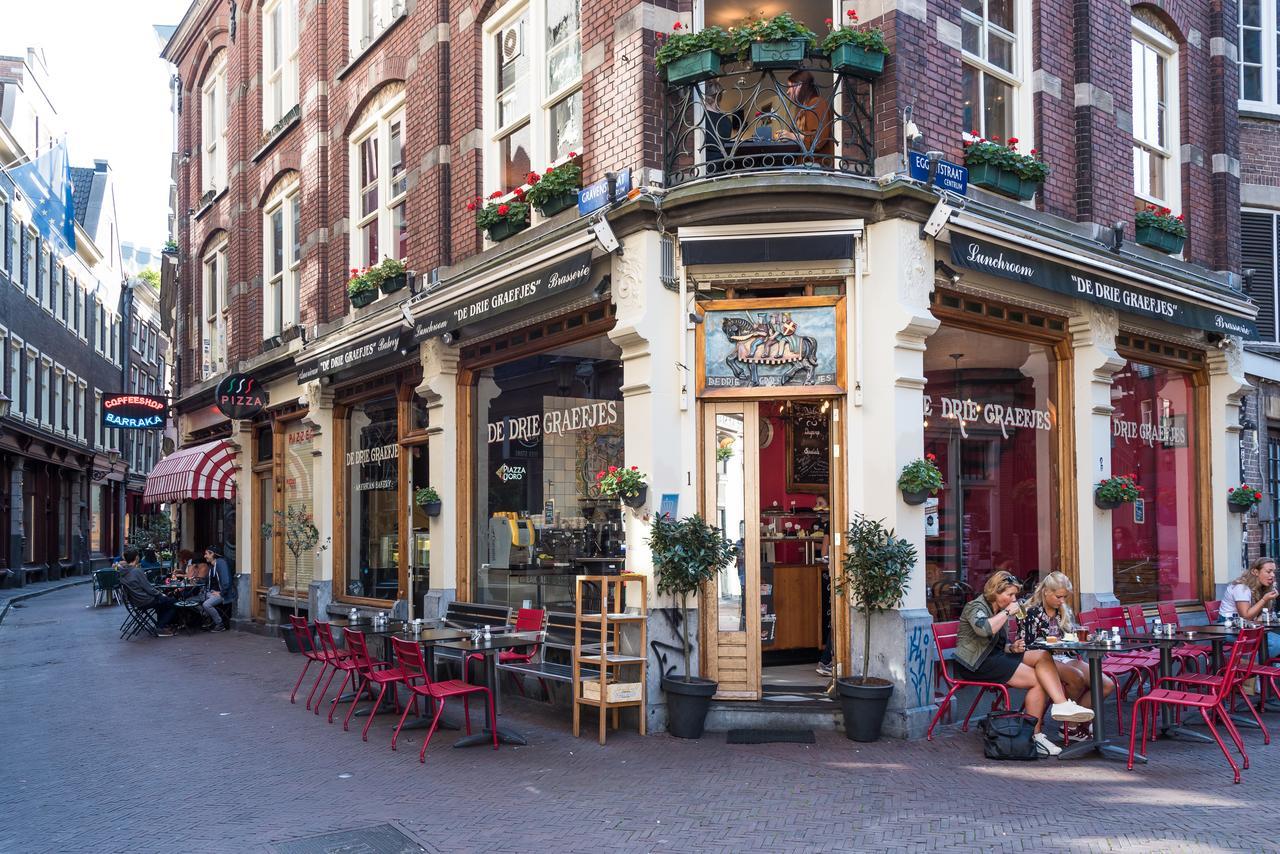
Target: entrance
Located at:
point(769, 468)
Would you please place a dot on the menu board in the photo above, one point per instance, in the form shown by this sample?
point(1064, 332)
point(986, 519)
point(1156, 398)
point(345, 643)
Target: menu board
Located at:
point(808, 449)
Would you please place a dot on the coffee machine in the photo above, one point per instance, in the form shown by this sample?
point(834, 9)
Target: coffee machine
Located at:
point(511, 540)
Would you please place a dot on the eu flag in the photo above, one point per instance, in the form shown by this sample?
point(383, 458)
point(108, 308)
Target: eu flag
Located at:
point(46, 181)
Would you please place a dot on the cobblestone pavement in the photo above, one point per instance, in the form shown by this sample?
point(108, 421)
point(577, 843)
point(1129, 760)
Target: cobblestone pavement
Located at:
point(190, 744)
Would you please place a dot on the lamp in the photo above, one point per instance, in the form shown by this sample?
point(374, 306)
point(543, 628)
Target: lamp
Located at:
point(947, 271)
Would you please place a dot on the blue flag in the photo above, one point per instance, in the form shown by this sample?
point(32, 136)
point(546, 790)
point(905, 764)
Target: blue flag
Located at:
point(46, 181)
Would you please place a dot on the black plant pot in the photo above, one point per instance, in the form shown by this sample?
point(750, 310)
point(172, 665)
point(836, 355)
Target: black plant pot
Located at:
point(636, 501)
point(919, 496)
point(864, 705)
point(290, 641)
point(391, 284)
point(1106, 503)
point(1238, 508)
point(687, 703)
point(432, 508)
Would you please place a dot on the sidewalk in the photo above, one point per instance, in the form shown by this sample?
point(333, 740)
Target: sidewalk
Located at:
point(18, 594)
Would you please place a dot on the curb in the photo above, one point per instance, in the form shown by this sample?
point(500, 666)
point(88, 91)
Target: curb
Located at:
point(18, 597)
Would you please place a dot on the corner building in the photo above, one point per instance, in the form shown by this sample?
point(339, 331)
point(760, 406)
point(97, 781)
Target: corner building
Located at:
point(772, 339)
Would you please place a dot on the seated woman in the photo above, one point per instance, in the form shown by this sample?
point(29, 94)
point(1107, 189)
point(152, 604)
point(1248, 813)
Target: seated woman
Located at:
point(1049, 615)
point(985, 654)
point(814, 128)
point(1252, 593)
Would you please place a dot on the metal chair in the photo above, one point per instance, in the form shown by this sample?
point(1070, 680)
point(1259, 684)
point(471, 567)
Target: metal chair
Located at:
point(106, 583)
point(368, 671)
point(409, 657)
point(944, 638)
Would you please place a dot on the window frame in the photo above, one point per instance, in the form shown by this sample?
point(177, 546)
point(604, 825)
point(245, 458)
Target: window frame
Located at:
point(1022, 120)
point(213, 325)
point(378, 15)
point(1268, 100)
point(284, 77)
point(377, 127)
point(7, 224)
point(30, 254)
point(213, 127)
point(281, 298)
point(1162, 44)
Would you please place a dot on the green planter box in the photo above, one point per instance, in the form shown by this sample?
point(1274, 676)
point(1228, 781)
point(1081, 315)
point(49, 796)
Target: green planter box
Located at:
point(391, 284)
point(1002, 181)
point(363, 298)
point(788, 53)
point(502, 229)
point(853, 59)
point(554, 205)
point(693, 68)
point(1028, 189)
point(1158, 238)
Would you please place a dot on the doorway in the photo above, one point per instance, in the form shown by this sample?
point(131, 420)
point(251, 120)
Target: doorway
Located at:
point(769, 469)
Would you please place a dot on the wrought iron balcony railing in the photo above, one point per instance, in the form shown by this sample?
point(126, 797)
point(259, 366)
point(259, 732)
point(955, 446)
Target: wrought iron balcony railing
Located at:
point(750, 120)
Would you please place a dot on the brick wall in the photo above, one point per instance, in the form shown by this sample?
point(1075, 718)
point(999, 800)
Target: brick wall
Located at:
point(1260, 152)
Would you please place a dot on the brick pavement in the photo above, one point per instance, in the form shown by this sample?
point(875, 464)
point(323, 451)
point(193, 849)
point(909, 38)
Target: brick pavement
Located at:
point(190, 744)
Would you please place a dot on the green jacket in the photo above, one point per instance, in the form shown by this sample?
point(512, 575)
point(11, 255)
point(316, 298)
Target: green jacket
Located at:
point(974, 638)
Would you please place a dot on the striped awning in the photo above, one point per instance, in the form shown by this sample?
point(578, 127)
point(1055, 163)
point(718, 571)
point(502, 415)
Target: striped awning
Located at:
point(200, 471)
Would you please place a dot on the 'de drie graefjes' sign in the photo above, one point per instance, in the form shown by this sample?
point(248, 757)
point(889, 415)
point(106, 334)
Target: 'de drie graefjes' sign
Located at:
point(134, 411)
point(239, 396)
point(1076, 282)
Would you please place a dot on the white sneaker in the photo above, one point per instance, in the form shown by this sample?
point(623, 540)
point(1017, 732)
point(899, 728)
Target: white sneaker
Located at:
point(1071, 711)
point(1044, 746)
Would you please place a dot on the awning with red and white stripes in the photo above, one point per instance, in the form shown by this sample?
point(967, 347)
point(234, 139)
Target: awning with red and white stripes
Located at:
point(200, 471)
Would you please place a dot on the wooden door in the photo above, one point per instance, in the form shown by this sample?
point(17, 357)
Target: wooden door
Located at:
point(731, 501)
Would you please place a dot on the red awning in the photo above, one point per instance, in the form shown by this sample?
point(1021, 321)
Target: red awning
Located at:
point(201, 471)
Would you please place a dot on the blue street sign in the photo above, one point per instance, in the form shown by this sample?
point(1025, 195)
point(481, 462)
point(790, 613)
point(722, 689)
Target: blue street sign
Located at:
point(948, 177)
point(593, 197)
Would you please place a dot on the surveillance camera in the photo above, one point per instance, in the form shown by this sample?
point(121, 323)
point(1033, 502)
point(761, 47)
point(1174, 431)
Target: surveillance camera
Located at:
point(912, 132)
point(448, 338)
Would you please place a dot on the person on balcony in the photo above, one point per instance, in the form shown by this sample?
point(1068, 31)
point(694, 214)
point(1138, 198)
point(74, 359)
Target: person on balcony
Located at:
point(811, 122)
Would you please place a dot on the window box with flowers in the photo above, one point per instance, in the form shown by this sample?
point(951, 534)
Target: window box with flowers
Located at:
point(556, 189)
point(1114, 491)
point(687, 57)
point(853, 49)
point(1158, 228)
point(777, 42)
point(1242, 498)
point(999, 167)
point(392, 275)
point(920, 478)
point(362, 287)
point(626, 484)
point(501, 219)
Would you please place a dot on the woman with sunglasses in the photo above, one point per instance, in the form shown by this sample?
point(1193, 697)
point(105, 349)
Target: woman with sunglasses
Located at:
point(984, 653)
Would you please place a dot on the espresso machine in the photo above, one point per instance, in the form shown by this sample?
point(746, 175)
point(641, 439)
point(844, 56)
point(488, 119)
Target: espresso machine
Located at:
point(511, 540)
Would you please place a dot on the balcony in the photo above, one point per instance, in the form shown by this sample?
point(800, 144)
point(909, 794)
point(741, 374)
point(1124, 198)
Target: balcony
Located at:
point(750, 120)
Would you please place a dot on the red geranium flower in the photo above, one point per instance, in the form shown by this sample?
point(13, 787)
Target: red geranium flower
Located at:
point(1258, 495)
point(573, 154)
point(503, 210)
point(532, 178)
point(1231, 490)
point(660, 36)
point(496, 194)
point(852, 14)
point(635, 468)
point(677, 26)
point(612, 469)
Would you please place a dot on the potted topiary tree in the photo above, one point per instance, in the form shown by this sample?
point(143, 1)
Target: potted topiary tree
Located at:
point(428, 499)
point(875, 572)
point(298, 527)
point(687, 554)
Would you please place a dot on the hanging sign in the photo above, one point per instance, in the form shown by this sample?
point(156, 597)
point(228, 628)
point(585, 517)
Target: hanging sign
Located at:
point(1075, 282)
point(356, 354)
point(948, 175)
point(547, 282)
point(134, 411)
point(239, 396)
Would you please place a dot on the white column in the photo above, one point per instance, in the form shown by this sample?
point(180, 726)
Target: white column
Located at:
point(1227, 388)
point(319, 419)
point(439, 388)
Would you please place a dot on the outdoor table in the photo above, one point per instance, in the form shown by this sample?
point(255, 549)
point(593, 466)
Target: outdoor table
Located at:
point(1166, 644)
point(1217, 635)
point(490, 649)
point(1095, 652)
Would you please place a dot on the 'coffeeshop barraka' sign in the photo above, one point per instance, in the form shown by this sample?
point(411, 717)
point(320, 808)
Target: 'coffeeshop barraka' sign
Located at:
point(134, 411)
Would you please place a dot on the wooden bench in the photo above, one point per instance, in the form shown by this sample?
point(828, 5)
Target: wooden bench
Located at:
point(472, 615)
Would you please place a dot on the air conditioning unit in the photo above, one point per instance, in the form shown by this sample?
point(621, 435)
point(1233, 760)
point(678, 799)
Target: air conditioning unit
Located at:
point(511, 43)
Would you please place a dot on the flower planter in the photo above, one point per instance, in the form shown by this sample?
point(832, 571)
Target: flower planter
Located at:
point(363, 298)
point(1106, 503)
point(558, 203)
point(864, 704)
point(915, 497)
point(693, 68)
point(1238, 508)
point(1027, 189)
point(391, 284)
point(1002, 181)
point(636, 501)
point(502, 229)
point(1158, 238)
point(855, 59)
point(431, 508)
point(788, 53)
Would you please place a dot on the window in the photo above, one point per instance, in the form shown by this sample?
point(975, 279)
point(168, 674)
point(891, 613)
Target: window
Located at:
point(98, 440)
point(373, 456)
point(81, 391)
point(279, 60)
point(16, 232)
point(67, 286)
point(379, 183)
point(282, 258)
point(45, 392)
point(1259, 239)
point(6, 228)
point(134, 331)
point(1155, 114)
point(533, 68)
point(213, 133)
point(29, 261)
point(58, 411)
point(152, 339)
point(214, 342)
point(299, 493)
point(994, 41)
point(15, 376)
point(30, 391)
point(115, 353)
point(1259, 35)
point(133, 379)
point(368, 18)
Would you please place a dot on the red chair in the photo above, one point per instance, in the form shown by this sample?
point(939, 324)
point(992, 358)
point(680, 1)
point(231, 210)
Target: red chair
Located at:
point(343, 660)
point(302, 634)
point(330, 656)
point(1213, 609)
point(409, 657)
point(1210, 705)
point(1133, 665)
point(944, 638)
point(1189, 654)
point(369, 673)
point(1210, 681)
point(527, 620)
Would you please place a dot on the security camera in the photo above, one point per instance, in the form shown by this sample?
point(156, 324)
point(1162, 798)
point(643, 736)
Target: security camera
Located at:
point(913, 133)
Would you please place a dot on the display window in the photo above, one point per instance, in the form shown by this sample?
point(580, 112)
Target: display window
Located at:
point(371, 462)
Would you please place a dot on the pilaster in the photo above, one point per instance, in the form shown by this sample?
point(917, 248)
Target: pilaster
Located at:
point(439, 388)
point(1227, 388)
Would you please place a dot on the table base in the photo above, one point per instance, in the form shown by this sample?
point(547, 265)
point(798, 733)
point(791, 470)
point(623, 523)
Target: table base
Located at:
point(505, 736)
point(1181, 731)
point(1106, 748)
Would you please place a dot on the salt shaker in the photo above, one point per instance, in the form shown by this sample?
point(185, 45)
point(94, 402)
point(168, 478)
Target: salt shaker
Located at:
point(487, 636)
point(354, 616)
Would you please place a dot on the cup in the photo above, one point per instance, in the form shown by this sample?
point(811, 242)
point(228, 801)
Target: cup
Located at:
point(1082, 635)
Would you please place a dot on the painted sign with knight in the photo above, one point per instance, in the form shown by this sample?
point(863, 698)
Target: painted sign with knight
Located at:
point(771, 344)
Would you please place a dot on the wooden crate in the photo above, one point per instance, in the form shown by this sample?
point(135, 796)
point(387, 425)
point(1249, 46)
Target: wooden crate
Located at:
point(618, 692)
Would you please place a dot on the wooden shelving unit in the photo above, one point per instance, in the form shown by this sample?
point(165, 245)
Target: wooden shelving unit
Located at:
point(615, 679)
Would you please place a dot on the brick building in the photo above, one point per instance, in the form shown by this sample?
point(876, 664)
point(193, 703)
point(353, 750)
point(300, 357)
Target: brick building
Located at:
point(743, 290)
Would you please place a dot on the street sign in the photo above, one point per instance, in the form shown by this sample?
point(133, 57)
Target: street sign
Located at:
point(948, 177)
point(594, 196)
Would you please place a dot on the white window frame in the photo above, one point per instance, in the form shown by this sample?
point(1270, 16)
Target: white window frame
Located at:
point(540, 100)
point(279, 83)
point(377, 126)
point(99, 440)
point(280, 289)
point(45, 389)
point(368, 19)
point(213, 127)
point(1269, 25)
point(15, 246)
point(32, 380)
point(214, 312)
point(1147, 35)
point(16, 349)
point(1023, 122)
point(31, 255)
point(7, 223)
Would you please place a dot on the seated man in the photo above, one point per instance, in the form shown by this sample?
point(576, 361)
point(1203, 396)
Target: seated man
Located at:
point(221, 587)
point(141, 593)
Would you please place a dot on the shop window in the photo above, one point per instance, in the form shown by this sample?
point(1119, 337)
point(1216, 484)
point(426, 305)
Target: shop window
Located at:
point(95, 518)
point(545, 425)
point(1259, 41)
point(1155, 540)
point(373, 508)
point(991, 423)
point(379, 182)
point(299, 495)
point(1155, 113)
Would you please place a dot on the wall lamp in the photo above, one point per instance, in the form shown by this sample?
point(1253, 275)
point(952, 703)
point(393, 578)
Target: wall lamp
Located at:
point(449, 338)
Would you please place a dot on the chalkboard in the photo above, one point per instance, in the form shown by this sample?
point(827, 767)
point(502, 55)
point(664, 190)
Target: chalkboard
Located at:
point(808, 449)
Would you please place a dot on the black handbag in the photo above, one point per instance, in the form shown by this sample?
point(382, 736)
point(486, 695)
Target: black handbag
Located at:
point(1008, 735)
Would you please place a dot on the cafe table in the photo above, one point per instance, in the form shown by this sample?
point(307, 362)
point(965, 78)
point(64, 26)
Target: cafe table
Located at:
point(1166, 644)
point(1094, 652)
point(490, 649)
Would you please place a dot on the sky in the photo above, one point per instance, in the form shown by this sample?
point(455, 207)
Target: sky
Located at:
point(111, 90)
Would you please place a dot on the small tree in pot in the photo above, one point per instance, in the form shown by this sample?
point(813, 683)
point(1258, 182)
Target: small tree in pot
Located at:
point(687, 553)
point(875, 572)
